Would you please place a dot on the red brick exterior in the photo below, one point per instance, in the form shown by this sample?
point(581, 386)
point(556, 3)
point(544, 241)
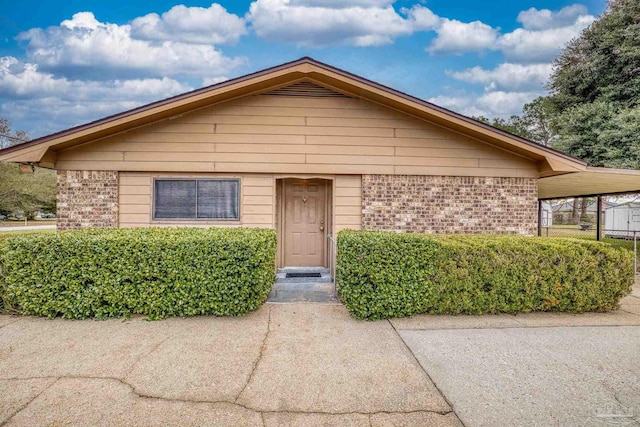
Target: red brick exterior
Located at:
point(449, 204)
point(87, 199)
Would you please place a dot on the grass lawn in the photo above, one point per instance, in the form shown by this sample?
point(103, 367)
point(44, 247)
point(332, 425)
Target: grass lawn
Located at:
point(7, 234)
point(12, 223)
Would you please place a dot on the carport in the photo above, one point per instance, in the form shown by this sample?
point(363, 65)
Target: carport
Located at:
point(592, 182)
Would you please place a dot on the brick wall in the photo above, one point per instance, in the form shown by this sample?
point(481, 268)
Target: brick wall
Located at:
point(446, 204)
point(87, 199)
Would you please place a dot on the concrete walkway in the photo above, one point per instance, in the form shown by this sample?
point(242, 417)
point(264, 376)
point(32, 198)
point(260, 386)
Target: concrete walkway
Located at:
point(534, 369)
point(311, 364)
point(286, 364)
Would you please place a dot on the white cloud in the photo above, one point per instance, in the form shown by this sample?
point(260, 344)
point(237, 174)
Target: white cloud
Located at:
point(528, 53)
point(48, 103)
point(316, 23)
point(507, 76)
point(543, 35)
point(523, 45)
point(369, 23)
point(492, 104)
point(423, 19)
point(341, 4)
point(84, 46)
point(543, 19)
point(208, 81)
point(462, 104)
point(459, 37)
point(212, 25)
point(502, 104)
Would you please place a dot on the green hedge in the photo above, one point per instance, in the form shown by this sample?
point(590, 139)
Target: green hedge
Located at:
point(384, 275)
point(159, 272)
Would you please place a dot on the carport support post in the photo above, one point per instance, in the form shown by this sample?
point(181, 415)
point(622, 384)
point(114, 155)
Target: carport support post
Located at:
point(599, 219)
point(539, 218)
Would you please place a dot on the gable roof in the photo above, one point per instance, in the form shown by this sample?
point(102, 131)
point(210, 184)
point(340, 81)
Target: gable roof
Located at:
point(42, 150)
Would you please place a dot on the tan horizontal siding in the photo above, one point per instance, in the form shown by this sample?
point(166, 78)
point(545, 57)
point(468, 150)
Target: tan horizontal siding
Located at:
point(135, 189)
point(302, 168)
point(293, 111)
point(362, 122)
point(128, 179)
point(136, 192)
point(297, 135)
point(258, 209)
point(135, 209)
point(348, 210)
point(305, 130)
point(304, 149)
point(348, 181)
point(296, 102)
point(347, 191)
point(257, 205)
point(453, 171)
point(348, 202)
point(247, 120)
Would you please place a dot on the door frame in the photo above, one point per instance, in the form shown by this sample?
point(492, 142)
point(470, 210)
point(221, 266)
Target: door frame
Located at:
point(280, 182)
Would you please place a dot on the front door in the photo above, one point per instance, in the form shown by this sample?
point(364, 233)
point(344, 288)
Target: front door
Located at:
point(305, 202)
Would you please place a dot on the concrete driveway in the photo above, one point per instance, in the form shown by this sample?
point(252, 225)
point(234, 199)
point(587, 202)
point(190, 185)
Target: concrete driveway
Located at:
point(286, 364)
point(311, 364)
point(538, 369)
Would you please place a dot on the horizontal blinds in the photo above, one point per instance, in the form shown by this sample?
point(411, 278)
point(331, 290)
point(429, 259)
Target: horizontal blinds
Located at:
point(218, 199)
point(197, 199)
point(175, 198)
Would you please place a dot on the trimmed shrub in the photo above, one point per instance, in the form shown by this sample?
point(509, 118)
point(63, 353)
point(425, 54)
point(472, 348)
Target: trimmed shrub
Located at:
point(159, 272)
point(383, 274)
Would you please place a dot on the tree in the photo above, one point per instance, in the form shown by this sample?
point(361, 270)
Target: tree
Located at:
point(26, 193)
point(9, 137)
point(513, 124)
point(19, 192)
point(537, 117)
point(596, 90)
point(536, 122)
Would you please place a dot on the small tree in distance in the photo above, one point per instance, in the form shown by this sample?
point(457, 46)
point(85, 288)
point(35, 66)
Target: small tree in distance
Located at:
point(19, 192)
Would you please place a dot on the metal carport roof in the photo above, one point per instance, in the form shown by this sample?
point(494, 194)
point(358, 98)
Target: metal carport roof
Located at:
point(591, 182)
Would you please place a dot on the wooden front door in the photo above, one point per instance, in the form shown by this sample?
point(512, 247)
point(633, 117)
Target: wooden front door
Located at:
point(305, 206)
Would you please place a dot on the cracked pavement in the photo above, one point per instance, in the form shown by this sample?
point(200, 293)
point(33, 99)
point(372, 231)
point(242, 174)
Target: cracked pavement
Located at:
point(289, 364)
point(307, 364)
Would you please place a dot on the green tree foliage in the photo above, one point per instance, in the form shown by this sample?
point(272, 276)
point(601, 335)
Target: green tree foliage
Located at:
point(513, 124)
point(26, 193)
point(537, 117)
point(536, 122)
point(20, 192)
point(596, 90)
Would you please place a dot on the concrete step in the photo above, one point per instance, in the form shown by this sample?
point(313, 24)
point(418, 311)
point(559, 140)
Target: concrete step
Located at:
point(283, 296)
point(325, 274)
point(303, 286)
point(303, 289)
point(295, 280)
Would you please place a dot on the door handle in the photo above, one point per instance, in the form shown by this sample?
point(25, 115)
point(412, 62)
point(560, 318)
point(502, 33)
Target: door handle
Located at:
point(321, 228)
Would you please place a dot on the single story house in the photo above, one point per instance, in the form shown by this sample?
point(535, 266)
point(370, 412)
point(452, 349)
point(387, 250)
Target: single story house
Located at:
point(305, 148)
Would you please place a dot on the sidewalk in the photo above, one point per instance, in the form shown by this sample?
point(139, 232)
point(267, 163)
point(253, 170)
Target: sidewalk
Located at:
point(286, 364)
point(536, 368)
point(312, 364)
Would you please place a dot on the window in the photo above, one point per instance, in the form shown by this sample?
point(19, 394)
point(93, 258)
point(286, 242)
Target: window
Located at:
point(196, 199)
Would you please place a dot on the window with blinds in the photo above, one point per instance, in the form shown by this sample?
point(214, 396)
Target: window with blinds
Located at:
point(217, 199)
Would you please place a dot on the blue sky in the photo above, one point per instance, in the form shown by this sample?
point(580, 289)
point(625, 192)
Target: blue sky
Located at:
point(66, 63)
